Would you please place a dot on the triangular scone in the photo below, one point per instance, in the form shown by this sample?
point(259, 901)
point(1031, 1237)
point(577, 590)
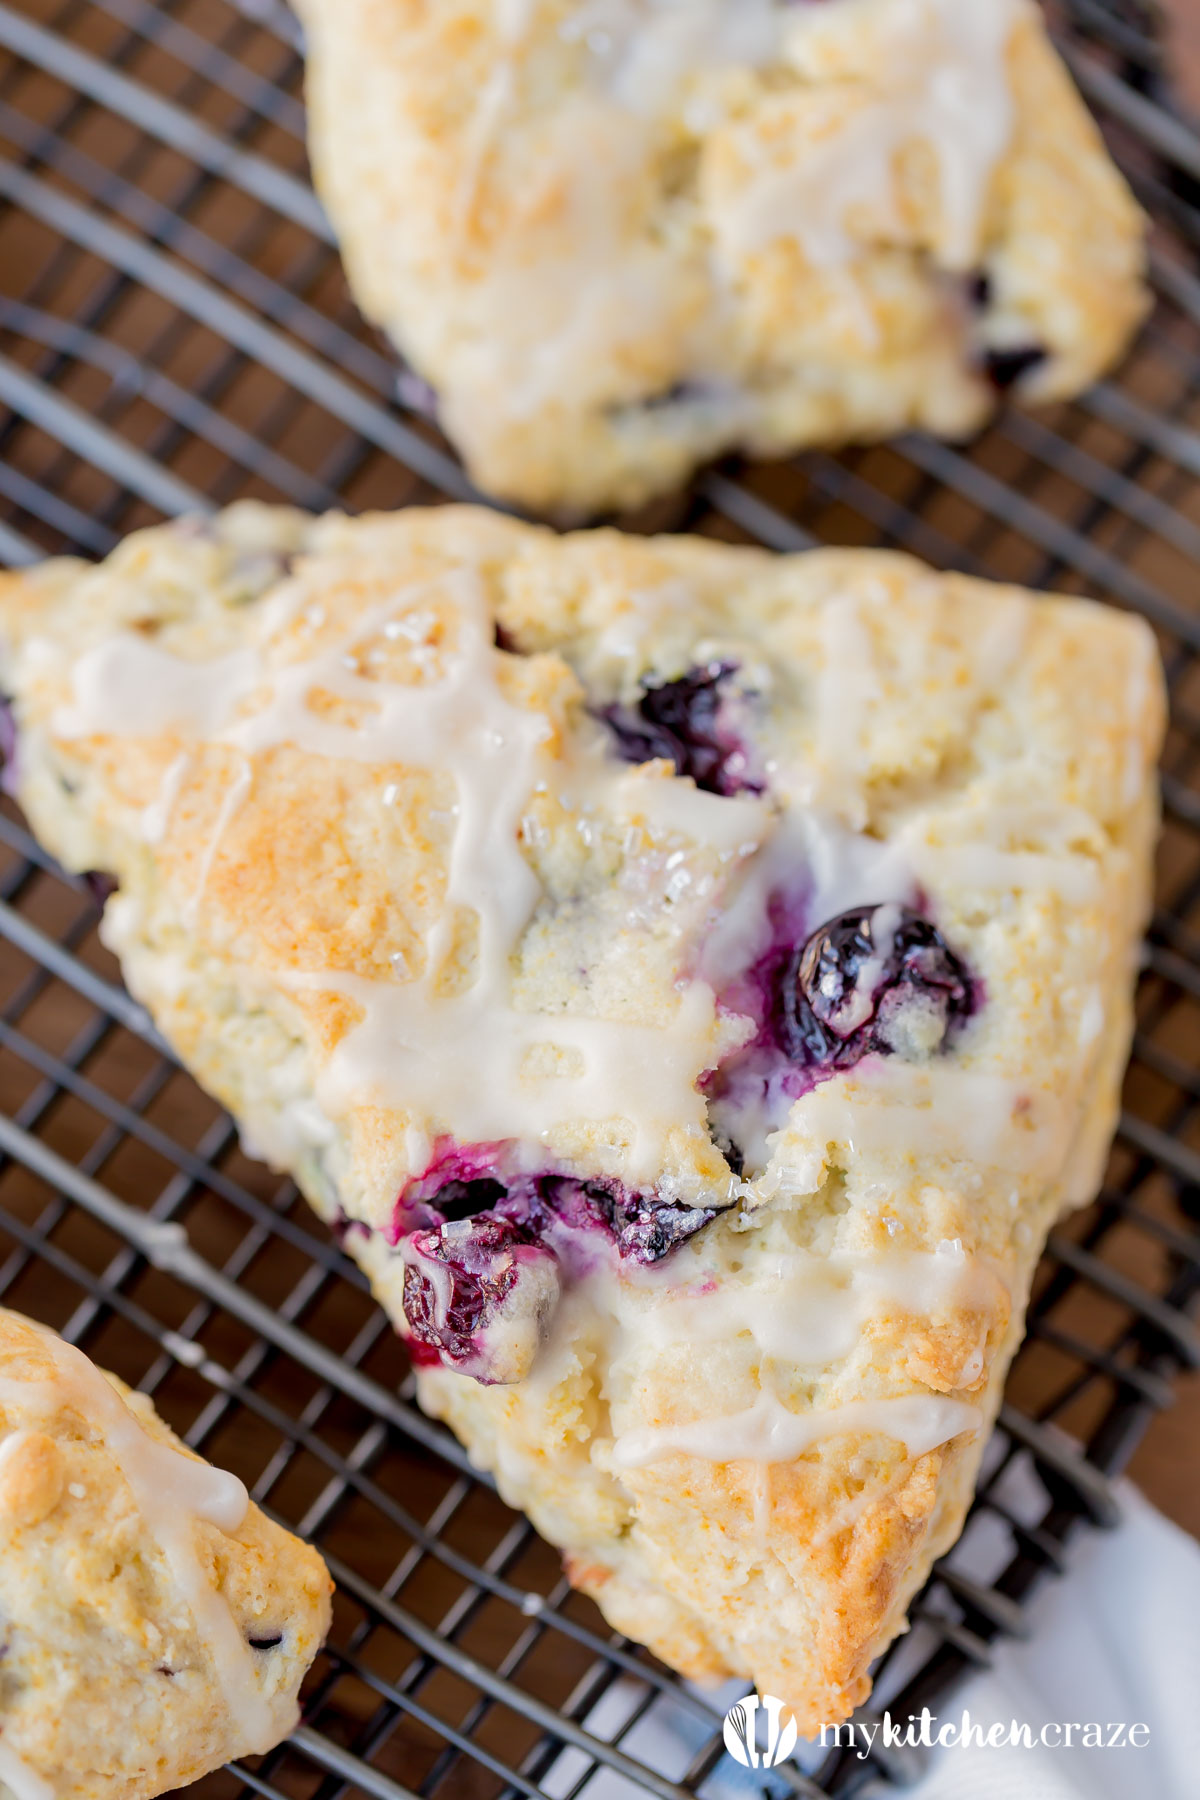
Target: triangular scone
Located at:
point(690, 980)
point(618, 237)
point(155, 1623)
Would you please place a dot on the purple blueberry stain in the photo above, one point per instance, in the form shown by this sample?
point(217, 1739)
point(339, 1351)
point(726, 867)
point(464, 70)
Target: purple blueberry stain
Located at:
point(100, 885)
point(687, 722)
point(453, 1168)
point(1003, 366)
point(478, 1296)
point(644, 1227)
point(488, 1246)
point(487, 1255)
point(416, 395)
point(876, 980)
point(691, 401)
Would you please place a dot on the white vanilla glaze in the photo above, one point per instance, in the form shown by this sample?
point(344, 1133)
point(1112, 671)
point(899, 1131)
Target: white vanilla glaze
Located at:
point(944, 85)
point(849, 687)
point(14, 1442)
point(643, 50)
point(22, 1782)
point(810, 1310)
point(461, 1058)
point(231, 804)
point(932, 1111)
point(732, 826)
point(472, 1062)
point(1011, 849)
point(563, 303)
point(842, 869)
point(981, 867)
point(173, 1492)
point(156, 817)
point(802, 1311)
point(768, 1432)
point(469, 1062)
point(127, 686)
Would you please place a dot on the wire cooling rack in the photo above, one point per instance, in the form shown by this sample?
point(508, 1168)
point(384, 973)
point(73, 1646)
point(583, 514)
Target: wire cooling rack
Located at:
point(174, 333)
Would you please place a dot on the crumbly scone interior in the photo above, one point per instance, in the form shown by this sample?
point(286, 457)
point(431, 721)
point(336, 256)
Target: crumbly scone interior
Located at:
point(616, 237)
point(472, 867)
point(156, 1624)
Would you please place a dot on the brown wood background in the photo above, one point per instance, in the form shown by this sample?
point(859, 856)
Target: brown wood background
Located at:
point(1186, 20)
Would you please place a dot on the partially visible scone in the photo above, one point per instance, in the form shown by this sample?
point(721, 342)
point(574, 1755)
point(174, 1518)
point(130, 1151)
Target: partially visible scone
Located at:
point(618, 237)
point(155, 1624)
point(690, 981)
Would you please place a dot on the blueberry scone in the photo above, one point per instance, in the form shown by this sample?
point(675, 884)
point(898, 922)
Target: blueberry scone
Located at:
point(690, 981)
point(618, 237)
point(155, 1624)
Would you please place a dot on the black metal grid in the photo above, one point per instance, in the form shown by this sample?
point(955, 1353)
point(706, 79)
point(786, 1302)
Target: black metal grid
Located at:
point(175, 333)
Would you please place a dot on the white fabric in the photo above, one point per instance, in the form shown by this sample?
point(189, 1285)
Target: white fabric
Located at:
point(1116, 1640)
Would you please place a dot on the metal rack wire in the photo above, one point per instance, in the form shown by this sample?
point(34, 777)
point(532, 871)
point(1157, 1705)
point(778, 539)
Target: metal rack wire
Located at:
point(175, 333)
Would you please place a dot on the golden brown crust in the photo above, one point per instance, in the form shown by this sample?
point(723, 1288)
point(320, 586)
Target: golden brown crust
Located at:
point(110, 1685)
point(1004, 745)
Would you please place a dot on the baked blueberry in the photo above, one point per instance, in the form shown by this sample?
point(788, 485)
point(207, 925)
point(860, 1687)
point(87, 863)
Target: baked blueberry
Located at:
point(644, 1226)
point(1004, 368)
point(681, 722)
point(478, 1295)
point(484, 1256)
point(878, 978)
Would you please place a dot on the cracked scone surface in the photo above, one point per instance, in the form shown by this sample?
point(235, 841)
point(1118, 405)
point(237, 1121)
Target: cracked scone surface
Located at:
point(619, 237)
point(690, 980)
point(156, 1624)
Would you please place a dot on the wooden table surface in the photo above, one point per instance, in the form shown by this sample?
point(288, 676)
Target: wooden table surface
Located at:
point(1186, 18)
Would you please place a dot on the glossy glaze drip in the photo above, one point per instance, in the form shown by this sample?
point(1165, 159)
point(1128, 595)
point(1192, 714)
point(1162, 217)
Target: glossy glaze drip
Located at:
point(22, 1782)
point(886, 1107)
point(806, 1310)
point(173, 1492)
point(643, 51)
point(768, 1432)
point(945, 88)
point(461, 1059)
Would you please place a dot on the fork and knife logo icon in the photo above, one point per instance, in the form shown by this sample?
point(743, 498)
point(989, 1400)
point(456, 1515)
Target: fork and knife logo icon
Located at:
point(756, 1717)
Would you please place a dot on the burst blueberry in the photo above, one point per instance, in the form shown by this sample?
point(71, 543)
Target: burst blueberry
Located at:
point(1005, 368)
point(875, 979)
point(485, 1257)
point(478, 1294)
point(681, 722)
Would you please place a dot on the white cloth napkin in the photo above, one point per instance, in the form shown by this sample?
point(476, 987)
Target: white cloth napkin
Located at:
point(1116, 1641)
